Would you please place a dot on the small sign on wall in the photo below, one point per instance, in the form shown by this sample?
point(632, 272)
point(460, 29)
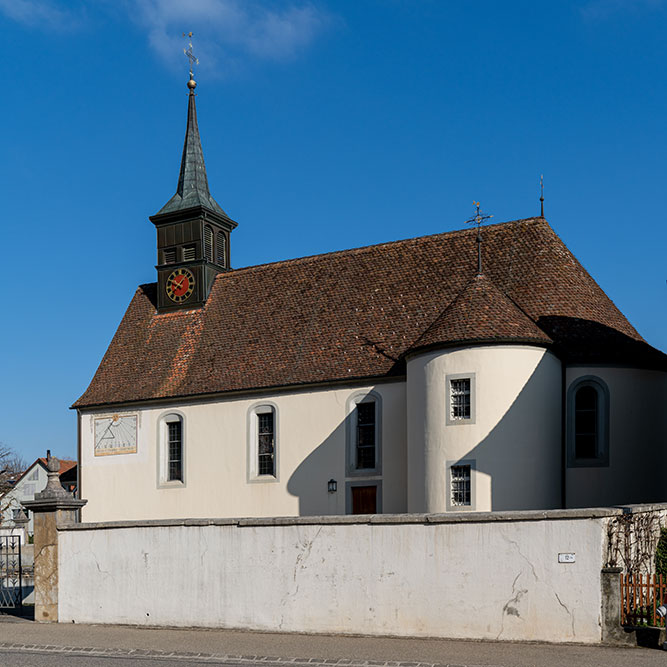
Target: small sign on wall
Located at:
point(566, 558)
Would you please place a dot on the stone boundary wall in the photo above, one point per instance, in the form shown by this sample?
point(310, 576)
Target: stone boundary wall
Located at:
point(491, 575)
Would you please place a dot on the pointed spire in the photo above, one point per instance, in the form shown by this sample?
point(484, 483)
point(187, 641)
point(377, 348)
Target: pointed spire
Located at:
point(192, 189)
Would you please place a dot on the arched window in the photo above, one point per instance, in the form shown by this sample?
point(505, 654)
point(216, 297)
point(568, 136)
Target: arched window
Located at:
point(588, 422)
point(263, 443)
point(221, 250)
point(208, 244)
point(171, 433)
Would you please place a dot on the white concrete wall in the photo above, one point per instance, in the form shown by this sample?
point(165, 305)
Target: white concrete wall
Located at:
point(514, 440)
point(311, 442)
point(482, 580)
point(637, 470)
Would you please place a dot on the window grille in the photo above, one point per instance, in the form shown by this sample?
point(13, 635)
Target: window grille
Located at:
point(365, 444)
point(169, 255)
point(189, 253)
point(208, 244)
point(221, 250)
point(459, 398)
point(586, 422)
point(460, 485)
point(175, 451)
point(265, 444)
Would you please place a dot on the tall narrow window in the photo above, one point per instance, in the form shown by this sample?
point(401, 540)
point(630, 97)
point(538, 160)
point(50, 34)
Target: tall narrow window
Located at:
point(208, 243)
point(221, 249)
point(588, 422)
point(459, 402)
point(365, 432)
point(460, 485)
point(266, 444)
point(174, 451)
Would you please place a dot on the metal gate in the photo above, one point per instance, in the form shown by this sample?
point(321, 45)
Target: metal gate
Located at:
point(11, 574)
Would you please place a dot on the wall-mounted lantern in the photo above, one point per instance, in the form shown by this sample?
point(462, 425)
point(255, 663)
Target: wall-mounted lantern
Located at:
point(332, 486)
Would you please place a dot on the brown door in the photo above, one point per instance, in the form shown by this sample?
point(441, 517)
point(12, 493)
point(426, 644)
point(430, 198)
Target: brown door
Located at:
point(364, 499)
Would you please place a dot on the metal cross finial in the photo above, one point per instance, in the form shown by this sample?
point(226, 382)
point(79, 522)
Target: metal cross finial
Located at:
point(478, 219)
point(190, 55)
point(541, 195)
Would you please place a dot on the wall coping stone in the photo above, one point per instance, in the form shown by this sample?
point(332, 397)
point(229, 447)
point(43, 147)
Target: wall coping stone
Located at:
point(383, 519)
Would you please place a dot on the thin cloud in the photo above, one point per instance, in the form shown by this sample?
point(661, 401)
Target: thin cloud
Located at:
point(228, 31)
point(595, 10)
point(42, 14)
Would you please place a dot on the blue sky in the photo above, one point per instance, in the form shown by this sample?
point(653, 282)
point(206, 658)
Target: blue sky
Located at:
point(325, 125)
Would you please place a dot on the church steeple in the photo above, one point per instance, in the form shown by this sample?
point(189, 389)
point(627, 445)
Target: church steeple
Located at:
point(192, 229)
point(192, 189)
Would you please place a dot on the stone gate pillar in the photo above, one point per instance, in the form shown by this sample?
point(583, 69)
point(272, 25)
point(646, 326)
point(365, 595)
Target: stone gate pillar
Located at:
point(52, 507)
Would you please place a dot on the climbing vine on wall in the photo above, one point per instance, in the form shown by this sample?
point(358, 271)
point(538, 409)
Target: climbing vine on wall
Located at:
point(632, 540)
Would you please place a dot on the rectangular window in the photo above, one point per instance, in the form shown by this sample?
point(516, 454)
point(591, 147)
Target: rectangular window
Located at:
point(189, 253)
point(175, 452)
point(265, 444)
point(169, 255)
point(365, 445)
point(459, 399)
point(460, 485)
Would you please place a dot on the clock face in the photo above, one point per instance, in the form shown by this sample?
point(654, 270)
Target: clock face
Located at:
point(180, 285)
point(116, 435)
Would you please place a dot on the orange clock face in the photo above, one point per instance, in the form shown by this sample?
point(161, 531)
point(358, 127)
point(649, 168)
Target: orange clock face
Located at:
point(180, 285)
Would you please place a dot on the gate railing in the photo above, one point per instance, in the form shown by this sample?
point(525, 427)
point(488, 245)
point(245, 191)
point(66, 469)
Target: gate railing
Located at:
point(11, 574)
point(641, 595)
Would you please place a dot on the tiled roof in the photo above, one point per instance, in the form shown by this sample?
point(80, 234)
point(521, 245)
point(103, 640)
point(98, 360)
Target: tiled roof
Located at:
point(481, 313)
point(355, 313)
point(65, 464)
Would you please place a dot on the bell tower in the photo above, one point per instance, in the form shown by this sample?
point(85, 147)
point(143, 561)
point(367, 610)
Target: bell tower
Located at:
point(192, 229)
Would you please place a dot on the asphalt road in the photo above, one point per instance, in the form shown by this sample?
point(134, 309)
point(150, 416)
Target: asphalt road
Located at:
point(24, 643)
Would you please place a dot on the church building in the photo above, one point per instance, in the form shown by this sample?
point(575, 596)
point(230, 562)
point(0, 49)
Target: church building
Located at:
point(400, 377)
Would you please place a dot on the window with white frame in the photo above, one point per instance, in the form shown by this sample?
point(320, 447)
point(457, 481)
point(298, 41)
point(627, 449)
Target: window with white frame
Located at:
point(263, 443)
point(364, 437)
point(171, 434)
point(460, 485)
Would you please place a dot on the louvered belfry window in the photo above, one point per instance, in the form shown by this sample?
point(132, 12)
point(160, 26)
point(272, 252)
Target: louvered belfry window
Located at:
point(208, 244)
point(175, 451)
point(365, 436)
point(189, 253)
point(221, 250)
point(170, 255)
point(266, 444)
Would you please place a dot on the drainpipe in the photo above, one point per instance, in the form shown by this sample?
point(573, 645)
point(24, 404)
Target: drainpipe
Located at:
point(563, 437)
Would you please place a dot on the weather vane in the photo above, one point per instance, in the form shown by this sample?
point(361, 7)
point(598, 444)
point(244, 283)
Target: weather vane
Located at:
point(190, 55)
point(478, 219)
point(541, 195)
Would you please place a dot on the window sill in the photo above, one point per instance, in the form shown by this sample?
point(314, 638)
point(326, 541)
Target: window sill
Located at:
point(173, 484)
point(262, 479)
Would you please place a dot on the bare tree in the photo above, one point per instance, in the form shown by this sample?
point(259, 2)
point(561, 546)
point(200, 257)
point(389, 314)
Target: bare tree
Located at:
point(11, 466)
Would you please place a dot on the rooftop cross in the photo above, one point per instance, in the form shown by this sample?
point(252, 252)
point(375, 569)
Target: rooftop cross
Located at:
point(478, 219)
point(541, 195)
point(190, 55)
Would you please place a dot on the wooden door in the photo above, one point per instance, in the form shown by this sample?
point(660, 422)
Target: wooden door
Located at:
point(364, 499)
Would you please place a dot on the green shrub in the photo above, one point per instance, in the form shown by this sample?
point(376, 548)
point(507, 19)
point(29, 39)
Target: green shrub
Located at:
point(661, 554)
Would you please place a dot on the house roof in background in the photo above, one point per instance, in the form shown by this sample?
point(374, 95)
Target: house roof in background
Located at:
point(356, 313)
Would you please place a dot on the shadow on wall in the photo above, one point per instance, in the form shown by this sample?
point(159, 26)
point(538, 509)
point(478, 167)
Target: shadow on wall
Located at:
point(522, 454)
point(309, 480)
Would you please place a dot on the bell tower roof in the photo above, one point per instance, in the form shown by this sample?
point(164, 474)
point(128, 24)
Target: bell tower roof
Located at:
point(192, 190)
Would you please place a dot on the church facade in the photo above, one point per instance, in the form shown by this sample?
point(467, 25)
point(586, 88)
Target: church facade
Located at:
point(393, 378)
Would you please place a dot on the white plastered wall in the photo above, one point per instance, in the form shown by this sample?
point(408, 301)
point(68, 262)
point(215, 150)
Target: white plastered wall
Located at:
point(515, 438)
point(481, 580)
point(637, 469)
point(311, 442)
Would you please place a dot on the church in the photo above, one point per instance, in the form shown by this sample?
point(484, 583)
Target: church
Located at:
point(409, 376)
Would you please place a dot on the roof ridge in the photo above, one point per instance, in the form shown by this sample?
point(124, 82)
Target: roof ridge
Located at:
point(311, 258)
